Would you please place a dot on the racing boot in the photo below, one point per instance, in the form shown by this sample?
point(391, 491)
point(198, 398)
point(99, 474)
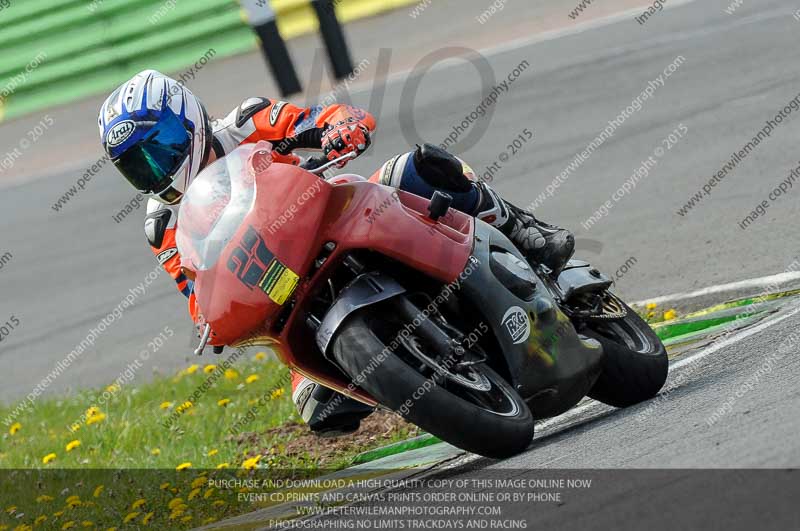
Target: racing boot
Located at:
point(540, 242)
point(327, 413)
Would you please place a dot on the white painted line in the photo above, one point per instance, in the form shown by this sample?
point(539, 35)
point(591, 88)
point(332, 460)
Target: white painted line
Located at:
point(761, 282)
point(733, 339)
point(593, 404)
point(569, 415)
point(367, 86)
point(505, 47)
point(578, 28)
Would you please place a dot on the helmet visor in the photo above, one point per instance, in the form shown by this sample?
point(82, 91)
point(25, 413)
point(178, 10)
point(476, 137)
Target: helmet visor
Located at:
point(151, 163)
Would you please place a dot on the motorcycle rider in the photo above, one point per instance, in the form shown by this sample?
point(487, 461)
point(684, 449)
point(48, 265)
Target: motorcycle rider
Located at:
point(159, 136)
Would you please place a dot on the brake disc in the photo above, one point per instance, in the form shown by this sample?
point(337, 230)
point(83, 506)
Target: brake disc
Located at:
point(473, 379)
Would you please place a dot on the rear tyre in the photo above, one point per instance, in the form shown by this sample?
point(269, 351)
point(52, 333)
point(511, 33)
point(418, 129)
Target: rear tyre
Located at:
point(636, 364)
point(496, 423)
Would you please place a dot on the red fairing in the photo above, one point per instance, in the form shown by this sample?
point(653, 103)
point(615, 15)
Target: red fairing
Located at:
point(364, 215)
point(262, 265)
point(266, 262)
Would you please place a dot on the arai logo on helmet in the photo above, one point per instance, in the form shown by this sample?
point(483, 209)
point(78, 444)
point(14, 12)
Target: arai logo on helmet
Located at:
point(517, 324)
point(120, 133)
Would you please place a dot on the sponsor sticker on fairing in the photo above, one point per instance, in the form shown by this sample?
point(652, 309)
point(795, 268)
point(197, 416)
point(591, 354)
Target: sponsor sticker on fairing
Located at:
point(517, 324)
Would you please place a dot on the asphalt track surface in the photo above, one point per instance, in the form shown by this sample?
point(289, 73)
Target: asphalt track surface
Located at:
point(672, 463)
point(69, 269)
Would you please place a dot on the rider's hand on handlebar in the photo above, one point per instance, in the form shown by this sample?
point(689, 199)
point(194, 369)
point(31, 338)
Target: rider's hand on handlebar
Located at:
point(345, 137)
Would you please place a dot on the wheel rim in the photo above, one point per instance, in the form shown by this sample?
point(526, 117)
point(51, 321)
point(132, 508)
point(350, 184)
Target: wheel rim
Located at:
point(627, 334)
point(469, 383)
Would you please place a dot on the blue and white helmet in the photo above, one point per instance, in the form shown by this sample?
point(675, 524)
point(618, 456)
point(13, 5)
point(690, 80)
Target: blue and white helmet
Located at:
point(157, 134)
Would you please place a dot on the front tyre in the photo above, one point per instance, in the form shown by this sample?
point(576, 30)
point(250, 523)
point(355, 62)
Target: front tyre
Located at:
point(636, 364)
point(494, 423)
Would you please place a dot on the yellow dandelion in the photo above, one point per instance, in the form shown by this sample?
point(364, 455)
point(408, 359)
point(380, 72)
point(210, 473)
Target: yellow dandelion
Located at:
point(49, 457)
point(212, 453)
point(187, 518)
point(218, 503)
point(650, 315)
point(260, 356)
point(208, 369)
point(155, 451)
point(199, 481)
point(164, 486)
point(670, 314)
point(138, 503)
point(92, 411)
point(94, 419)
point(183, 407)
point(208, 493)
point(174, 503)
point(209, 520)
point(223, 465)
point(183, 466)
point(130, 517)
point(231, 374)
point(87, 523)
point(68, 525)
point(14, 428)
point(277, 393)
point(252, 378)
point(73, 501)
point(44, 498)
point(98, 491)
point(223, 402)
point(75, 427)
point(191, 369)
point(651, 306)
point(250, 464)
point(147, 518)
point(40, 519)
point(58, 513)
point(111, 529)
point(113, 388)
point(11, 509)
point(73, 444)
point(175, 514)
point(165, 405)
point(193, 494)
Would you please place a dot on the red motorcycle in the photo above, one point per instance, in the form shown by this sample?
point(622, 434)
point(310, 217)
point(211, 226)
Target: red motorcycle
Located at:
point(399, 301)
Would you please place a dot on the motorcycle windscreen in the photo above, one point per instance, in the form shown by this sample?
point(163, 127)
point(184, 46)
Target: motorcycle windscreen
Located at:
point(214, 207)
point(249, 232)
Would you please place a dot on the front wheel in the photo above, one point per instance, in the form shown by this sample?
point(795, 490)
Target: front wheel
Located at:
point(636, 365)
point(466, 404)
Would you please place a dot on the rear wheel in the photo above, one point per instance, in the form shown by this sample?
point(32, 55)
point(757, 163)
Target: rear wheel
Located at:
point(460, 399)
point(635, 365)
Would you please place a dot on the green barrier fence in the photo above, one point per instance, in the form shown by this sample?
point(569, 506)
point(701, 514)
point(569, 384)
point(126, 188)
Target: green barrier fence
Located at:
point(56, 51)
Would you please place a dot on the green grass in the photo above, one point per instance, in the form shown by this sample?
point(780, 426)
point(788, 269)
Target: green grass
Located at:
point(132, 433)
point(128, 445)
